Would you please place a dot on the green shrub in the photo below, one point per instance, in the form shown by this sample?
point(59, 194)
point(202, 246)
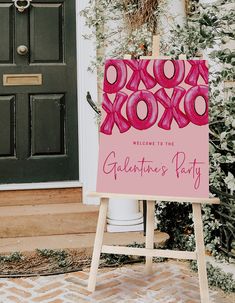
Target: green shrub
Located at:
point(217, 277)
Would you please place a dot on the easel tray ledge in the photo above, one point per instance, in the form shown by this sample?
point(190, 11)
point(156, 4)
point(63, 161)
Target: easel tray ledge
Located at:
point(211, 200)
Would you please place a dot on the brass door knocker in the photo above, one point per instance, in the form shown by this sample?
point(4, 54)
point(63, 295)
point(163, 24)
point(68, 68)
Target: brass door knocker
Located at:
point(21, 5)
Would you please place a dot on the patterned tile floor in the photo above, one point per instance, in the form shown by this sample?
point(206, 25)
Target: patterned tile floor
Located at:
point(172, 282)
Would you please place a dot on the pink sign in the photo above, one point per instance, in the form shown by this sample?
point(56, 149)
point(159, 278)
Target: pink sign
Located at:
point(154, 128)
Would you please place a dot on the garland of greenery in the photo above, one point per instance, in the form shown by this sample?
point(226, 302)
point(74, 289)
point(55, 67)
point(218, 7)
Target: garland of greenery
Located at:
point(208, 30)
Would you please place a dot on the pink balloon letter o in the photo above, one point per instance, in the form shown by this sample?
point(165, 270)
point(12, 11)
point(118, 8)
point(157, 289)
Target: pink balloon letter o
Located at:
point(189, 104)
point(162, 79)
point(152, 109)
point(121, 77)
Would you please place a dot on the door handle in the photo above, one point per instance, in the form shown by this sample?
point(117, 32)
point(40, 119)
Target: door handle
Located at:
point(21, 5)
point(22, 50)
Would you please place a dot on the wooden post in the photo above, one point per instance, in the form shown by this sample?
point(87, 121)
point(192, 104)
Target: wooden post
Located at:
point(182, 57)
point(98, 243)
point(200, 252)
point(149, 235)
point(156, 47)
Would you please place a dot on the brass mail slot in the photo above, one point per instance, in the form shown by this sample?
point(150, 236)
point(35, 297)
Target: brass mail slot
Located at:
point(22, 79)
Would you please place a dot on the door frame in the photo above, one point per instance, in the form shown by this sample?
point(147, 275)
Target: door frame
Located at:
point(87, 128)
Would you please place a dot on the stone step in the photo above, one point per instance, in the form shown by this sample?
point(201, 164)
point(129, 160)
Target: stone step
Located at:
point(83, 242)
point(40, 196)
point(47, 219)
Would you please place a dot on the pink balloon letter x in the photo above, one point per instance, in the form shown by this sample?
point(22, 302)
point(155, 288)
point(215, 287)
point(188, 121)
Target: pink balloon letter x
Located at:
point(171, 108)
point(139, 73)
point(114, 115)
point(198, 67)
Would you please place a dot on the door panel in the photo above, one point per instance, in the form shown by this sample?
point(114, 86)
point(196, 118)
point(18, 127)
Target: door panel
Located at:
point(7, 126)
point(7, 30)
point(46, 36)
point(38, 136)
point(48, 134)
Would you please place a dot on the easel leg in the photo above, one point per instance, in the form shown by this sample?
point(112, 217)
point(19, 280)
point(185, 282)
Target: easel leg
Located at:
point(149, 234)
point(200, 250)
point(98, 243)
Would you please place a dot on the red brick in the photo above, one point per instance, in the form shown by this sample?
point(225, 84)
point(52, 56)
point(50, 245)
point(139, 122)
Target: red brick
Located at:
point(48, 296)
point(19, 292)
point(50, 286)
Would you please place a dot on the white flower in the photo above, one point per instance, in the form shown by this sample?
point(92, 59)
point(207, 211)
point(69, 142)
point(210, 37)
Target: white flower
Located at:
point(233, 123)
point(230, 181)
point(223, 135)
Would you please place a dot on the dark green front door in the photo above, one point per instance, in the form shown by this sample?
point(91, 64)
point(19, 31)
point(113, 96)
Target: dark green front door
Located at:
point(38, 100)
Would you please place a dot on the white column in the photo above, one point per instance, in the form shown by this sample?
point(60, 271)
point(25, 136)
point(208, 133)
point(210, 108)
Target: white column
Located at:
point(87, 128)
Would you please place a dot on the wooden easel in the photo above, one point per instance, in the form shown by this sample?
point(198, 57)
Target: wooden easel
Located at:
point(149, 252)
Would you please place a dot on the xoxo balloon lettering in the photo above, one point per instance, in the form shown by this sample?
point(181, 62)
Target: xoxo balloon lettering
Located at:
point(130, 82)
point(171, 105)
point(141, 74)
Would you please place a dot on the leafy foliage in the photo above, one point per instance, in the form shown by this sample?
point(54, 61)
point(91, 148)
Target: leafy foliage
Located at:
point(125, 25)
point(218, 278)
point(14, 257)
point(58, 255)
